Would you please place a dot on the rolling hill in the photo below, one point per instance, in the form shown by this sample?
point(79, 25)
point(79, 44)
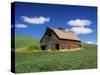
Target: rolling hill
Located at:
point(85, 58)
point(25, 41)
point(38, 61)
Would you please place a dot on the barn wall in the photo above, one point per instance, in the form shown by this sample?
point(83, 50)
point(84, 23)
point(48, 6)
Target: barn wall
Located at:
point(45, 38)
point(68, 44)
point(52, 42)
point(49, 41)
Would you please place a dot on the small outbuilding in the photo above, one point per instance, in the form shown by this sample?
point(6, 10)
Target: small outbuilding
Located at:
point(57, 38)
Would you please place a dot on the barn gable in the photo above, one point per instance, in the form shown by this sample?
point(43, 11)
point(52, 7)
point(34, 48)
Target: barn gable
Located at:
point(48, 39)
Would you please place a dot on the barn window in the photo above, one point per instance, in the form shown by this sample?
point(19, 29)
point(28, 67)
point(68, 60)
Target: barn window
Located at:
point(49, 34)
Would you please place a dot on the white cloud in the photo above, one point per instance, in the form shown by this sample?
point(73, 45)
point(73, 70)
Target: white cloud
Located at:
point(81, 30)
point(21, 26)
point(67, 29)
point(35, 20)
point(90, 42)
point(79, 22)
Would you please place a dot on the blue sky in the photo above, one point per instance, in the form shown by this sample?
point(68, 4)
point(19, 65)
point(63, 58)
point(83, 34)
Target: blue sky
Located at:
point(32, 19)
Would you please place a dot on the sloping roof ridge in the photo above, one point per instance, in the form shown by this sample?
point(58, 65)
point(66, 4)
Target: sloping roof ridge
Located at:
point(65, 34)
point(61, 30)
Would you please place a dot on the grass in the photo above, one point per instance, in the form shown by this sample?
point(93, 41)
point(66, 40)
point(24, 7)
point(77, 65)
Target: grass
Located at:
point(25, 41)
point(37, 61)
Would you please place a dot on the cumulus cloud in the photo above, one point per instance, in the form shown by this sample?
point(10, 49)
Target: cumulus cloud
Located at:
point(80, 26)
point(67, 29)
point(90, 42)
point(35, 20)
point(21, 26)
point(79, 22)
point(81, 30)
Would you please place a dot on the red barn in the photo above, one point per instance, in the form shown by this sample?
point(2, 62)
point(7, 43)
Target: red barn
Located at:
point(56, 39)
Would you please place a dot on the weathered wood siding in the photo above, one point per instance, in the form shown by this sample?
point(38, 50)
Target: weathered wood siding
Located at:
point(49, 40)
point(68, 44)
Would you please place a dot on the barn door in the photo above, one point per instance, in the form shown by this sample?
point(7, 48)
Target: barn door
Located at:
point(57, 46)
point(43, 47)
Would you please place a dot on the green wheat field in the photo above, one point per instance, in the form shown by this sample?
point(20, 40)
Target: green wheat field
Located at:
point(30, 58)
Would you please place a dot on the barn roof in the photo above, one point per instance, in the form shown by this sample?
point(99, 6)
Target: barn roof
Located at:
point(62, 34)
